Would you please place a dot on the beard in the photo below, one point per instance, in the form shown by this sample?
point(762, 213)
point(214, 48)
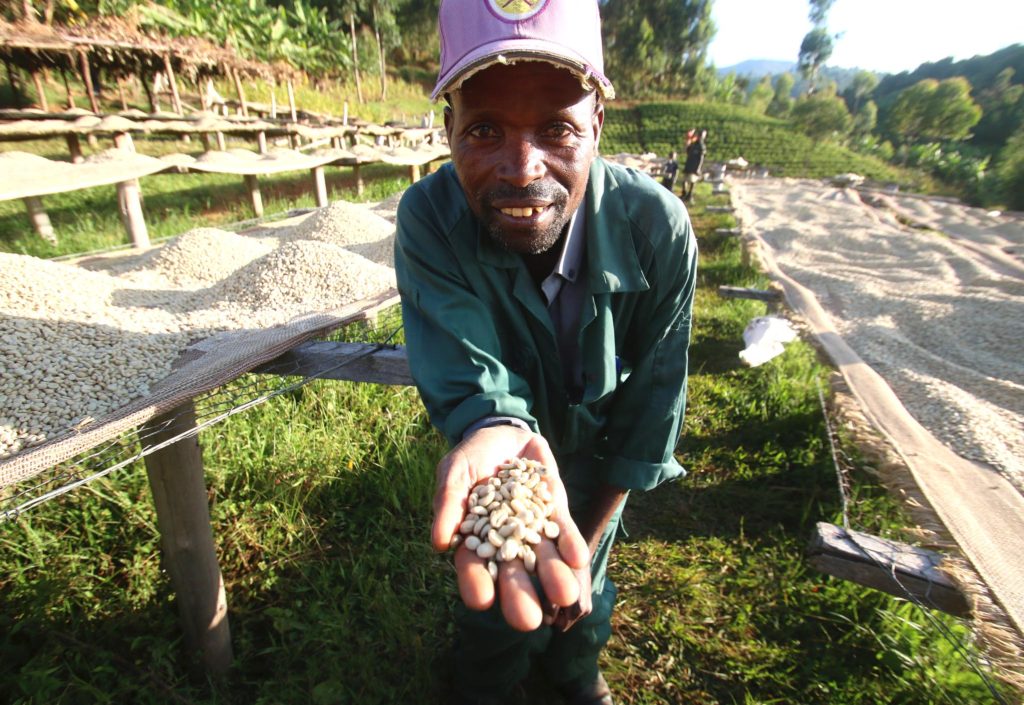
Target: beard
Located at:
point(537, 240)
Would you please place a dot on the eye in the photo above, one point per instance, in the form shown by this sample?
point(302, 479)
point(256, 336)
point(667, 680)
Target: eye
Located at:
point(482, 131)
point(559, 131)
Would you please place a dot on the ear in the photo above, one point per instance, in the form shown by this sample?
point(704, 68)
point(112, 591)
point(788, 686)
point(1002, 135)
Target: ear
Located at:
point(449, 121)
point(597, 120)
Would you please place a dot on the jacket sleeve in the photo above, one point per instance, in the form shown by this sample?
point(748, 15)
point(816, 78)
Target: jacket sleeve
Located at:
point(646, 417)
point(454, 348)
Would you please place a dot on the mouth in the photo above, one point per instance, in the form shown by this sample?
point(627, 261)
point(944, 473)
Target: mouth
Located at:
point(525, 212)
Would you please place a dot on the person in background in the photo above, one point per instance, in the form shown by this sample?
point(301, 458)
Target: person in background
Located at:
point(669, 171)
point(695, 152)
point(546, 298)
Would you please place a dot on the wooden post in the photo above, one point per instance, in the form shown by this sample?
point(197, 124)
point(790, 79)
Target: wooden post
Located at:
point(175, 96)
point(320, 186)
point(121, 94)
point(67, 89)
point(261, 140)
point(359, 180)
point(154, 100)
point(293, 112)
point(243, 106)
point(40, 93)
point(74, 148)
point(183, 516)
point(129, 199)
point(221, 144)
point(414, 173)
point(40, 220)
point(273, 100)
point(253, 184)
point(83, 60)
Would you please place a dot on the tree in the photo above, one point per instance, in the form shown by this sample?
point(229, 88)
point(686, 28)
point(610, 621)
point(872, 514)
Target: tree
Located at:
point(819, 11)
point(863, 84)
point(761, 96)
point(782, 102)
point(1010, 170)
point(934, 110)
point(658, 46)
point(815, 50)
point(821, 117)
point(865, 119)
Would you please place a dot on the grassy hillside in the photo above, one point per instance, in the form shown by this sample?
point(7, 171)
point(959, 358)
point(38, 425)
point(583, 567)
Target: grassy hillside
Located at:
point(734, 131)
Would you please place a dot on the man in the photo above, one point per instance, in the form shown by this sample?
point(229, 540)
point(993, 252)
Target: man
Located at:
point(669, 171)
point(695, 152)
point(546, 297)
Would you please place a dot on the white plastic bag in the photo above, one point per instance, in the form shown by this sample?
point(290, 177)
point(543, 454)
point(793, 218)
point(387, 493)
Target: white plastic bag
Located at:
point(765, 337)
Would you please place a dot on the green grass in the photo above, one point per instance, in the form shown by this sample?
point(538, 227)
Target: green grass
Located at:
point(320, 503)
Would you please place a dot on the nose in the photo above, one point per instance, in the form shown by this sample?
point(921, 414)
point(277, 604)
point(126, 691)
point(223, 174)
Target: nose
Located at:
point(522, 162)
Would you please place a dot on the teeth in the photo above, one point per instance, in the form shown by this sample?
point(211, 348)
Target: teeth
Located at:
point(522, 212)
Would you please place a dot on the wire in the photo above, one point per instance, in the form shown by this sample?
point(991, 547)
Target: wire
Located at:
point(926, 610)
point(211, 408)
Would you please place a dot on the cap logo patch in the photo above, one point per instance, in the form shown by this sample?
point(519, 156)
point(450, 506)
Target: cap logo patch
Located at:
point(515, 10)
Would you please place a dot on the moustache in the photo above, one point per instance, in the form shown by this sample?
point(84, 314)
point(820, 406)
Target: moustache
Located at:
point(538, 190)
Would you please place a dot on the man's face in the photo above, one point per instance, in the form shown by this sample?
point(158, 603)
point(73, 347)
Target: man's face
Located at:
point(522, 139)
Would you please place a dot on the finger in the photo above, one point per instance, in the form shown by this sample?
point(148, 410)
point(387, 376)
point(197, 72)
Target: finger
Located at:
point(571, 544)
point(519, 603)
point(476, 587)
point(558, 580)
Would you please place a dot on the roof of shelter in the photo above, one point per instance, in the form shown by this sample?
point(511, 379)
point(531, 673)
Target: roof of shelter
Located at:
point(119, 47)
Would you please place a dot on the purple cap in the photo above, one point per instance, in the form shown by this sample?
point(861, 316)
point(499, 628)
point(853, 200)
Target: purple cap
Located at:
point(476, 34)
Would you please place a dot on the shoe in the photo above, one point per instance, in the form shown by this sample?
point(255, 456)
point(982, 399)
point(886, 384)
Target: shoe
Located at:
point(596, 692)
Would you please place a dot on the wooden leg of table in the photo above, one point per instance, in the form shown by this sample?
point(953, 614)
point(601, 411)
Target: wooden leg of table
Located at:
point(221, 145)
point(261, 141)
point(253, 184)
point(129, 199)
point(359, 180)
point(183, 516)
point(414, 173)
point(320, 186)
point(40, 220)
point(74, 148)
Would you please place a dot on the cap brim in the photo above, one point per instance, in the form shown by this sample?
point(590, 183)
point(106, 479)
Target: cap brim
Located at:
point(508, 52)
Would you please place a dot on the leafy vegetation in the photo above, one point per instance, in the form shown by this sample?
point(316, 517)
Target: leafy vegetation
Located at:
point(734, 131)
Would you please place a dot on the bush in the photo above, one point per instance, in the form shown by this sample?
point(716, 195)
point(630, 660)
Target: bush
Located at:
point(1010, 171)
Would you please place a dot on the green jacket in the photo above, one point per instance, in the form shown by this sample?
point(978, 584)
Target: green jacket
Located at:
point(481, 343)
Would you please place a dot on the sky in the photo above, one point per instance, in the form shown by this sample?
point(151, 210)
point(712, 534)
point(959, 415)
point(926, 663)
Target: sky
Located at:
point(886, 36)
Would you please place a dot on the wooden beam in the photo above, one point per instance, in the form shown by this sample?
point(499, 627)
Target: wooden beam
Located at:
point(40, 93)
point(176, 478)
point(728, 232)
point(893, 567)
point(742, 292)
point(242, 105)
point(719, 209)
point(353, 362)
point(83, 60)
point(175, 96)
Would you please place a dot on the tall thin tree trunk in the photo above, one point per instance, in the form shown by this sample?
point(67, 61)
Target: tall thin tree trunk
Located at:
point(355, 56)
point(380, 55)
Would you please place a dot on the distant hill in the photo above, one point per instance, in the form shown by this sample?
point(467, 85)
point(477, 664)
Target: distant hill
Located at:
point(755, 68)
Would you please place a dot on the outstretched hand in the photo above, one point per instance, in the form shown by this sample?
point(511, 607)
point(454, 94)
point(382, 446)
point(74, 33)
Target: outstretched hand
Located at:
point(558, 565)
